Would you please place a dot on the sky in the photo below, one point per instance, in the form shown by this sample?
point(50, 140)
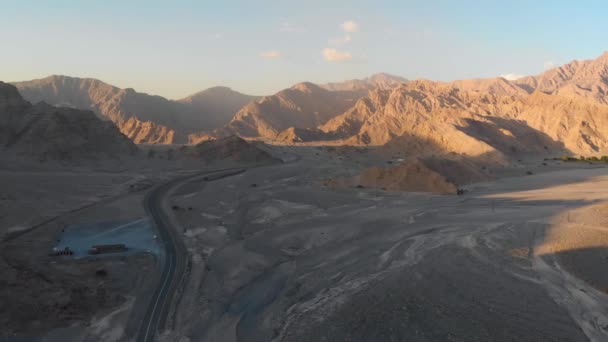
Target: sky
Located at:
point(176, 48)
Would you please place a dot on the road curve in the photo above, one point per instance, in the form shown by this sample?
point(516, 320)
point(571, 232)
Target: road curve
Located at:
point(175, 255)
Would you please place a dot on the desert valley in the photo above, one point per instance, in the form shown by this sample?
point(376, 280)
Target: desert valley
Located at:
point(373, 209)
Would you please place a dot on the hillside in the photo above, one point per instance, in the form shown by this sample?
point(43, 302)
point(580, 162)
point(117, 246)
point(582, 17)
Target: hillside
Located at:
point(50, 133)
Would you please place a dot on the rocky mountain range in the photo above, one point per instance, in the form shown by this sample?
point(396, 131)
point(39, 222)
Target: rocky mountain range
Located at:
point(563, 110)
point(429, 117)
point(45, 132)
point(143, 118)
point(560, 111)
point(304, 105)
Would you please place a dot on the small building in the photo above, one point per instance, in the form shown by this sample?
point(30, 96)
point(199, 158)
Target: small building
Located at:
point(101, 249)
point(65, 251)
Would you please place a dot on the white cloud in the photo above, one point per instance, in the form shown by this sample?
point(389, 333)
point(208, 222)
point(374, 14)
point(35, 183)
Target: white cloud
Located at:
point(511, 77)
point(272, 54)
point(340, 40)
point(549, 64)
point(215, 36)
point(333, 55)
point(350, 26)
point(290, 28)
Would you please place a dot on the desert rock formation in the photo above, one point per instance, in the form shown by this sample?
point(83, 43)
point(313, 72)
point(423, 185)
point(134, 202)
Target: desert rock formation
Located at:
point(411, 175)
point(230, 148)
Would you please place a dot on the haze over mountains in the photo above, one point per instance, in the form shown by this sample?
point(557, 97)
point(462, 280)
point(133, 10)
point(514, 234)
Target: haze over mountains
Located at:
point(143, 118)
point(563, 110)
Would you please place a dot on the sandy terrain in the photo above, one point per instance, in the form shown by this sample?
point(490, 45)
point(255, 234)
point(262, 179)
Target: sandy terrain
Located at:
point(277, 256)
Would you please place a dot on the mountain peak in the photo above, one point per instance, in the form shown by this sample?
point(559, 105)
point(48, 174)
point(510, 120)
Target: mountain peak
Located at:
point(217, 90)
point(306, 87)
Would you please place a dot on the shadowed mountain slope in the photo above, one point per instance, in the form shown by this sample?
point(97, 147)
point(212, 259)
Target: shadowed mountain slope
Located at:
point(46, 132)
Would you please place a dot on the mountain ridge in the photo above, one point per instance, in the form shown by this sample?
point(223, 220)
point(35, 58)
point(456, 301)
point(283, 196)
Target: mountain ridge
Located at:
point(166, 120)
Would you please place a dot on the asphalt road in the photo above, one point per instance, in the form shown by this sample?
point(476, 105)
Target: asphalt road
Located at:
point(175, 254)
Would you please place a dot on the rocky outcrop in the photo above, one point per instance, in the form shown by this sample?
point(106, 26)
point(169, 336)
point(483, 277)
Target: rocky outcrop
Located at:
point(439, 175)
point(230, 148)
point(412, 175)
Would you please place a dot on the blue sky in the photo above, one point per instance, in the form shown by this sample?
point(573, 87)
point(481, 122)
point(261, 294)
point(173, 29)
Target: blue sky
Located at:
point(175, 48)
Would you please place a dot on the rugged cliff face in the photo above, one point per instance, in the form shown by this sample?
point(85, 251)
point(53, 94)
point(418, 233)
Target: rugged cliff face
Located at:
point(46, 132)
point(501, 118)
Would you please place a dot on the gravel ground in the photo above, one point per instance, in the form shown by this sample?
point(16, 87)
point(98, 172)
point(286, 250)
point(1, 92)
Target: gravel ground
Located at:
point(277, 256)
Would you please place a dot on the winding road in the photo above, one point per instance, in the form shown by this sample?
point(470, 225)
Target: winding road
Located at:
point(174, 263)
